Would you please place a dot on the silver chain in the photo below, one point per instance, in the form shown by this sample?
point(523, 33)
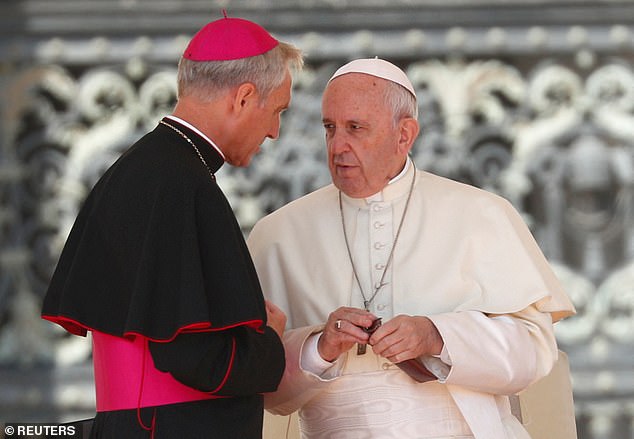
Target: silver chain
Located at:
point(368, 302)
point(200, 156)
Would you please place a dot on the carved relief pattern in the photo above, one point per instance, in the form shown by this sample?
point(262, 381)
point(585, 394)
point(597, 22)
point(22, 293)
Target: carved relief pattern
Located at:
point(557, 140)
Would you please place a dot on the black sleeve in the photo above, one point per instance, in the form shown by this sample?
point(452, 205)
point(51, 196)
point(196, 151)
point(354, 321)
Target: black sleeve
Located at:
point(235, 362)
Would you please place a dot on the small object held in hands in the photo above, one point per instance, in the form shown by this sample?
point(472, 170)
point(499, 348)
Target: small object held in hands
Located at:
point(370, 330)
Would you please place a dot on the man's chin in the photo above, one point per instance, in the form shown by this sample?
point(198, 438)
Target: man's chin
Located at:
point(349, 188)
point(242, 162)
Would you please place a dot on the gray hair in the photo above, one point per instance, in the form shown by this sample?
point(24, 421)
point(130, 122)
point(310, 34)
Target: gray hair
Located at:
point(208, 79)
point(401, 101)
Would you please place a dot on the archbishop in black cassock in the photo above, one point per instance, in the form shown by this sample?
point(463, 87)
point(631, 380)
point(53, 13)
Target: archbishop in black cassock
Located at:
point(156, 252)
point(157, 268)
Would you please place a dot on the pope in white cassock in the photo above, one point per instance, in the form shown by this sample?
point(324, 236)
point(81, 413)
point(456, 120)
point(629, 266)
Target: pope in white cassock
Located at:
point(462, 290)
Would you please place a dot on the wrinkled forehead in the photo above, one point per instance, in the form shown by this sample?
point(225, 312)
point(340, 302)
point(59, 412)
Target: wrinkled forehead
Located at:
point(355, 97)
point(356, 86)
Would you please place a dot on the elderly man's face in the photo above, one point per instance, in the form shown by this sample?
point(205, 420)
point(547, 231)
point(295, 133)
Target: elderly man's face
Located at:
point(261, 121)
point(363, 144)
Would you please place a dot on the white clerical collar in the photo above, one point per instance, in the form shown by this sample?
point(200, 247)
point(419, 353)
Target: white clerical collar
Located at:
point(197, 131)
point(379, 195)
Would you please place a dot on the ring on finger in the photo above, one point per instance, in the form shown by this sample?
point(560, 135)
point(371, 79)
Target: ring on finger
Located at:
point(338, 325)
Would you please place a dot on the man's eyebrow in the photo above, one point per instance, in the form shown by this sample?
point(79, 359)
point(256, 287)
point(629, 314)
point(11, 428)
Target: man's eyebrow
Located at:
point(348, 122)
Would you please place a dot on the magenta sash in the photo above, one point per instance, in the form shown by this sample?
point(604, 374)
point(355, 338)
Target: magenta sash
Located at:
point(125, 376)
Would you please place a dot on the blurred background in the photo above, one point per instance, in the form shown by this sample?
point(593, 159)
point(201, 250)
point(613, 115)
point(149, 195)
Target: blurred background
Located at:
point(531, 99)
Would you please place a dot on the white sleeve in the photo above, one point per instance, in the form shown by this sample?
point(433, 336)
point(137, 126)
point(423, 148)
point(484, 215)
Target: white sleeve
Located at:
point(439, 365)
point(311, 361)
point(498, 354)
point(299, 385)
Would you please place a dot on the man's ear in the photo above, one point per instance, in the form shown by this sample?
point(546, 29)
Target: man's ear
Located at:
point(244, 96)
point(408, 129)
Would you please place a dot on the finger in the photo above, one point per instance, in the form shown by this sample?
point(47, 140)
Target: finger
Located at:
point(358, 318)
point(354, 316)
point(352, 310)
point(345, 331)
point(386, 334)
point(333, 342)
point(394, 337)
point(271, 307)
point(403, 344)
point(399, 351)
point(384, 346)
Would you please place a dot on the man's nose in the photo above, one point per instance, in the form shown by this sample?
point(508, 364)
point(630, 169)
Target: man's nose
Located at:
point(274, 133)
point(338, 142)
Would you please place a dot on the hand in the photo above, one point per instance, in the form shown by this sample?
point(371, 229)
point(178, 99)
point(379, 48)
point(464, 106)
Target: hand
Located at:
point(275, 317)
point(405, 337)
point(336, 340)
